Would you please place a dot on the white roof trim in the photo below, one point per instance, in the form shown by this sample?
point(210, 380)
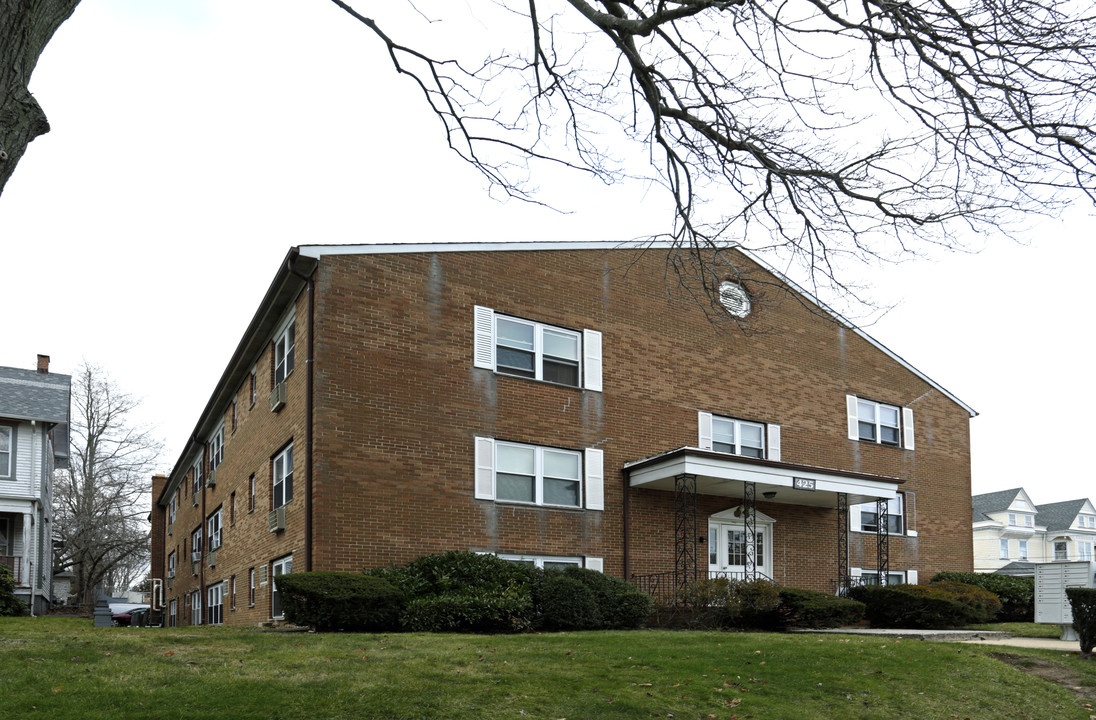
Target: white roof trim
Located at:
point(318, 251)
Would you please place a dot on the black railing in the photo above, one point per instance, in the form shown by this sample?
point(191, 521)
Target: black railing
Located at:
point(670, 588)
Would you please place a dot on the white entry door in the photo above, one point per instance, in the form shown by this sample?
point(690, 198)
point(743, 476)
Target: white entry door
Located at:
point(727, 546)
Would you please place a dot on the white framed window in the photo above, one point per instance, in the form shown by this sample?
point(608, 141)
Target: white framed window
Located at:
point(215, 604)
point(1004, 548)
point(7, 451)
point(879, 423)
point(213, 528)
point(172, 509)
point(1023, 549)
point(544, 562)
point(864, 517)
point(196, 607)
point(171, 564)
point(282, 477)
point(281, 566)
point(232, 592)
point(538, 475)
point(196, 544)
point(1028, 521)
point(515, 346)
point(1084, 550)
point(1061, 550)
point(251, 587)
point(253, 389)
point(1012, 519)
point(217, 448)
point(173, 613)
point(739, 437)
point(283, 352)
point(251, 493)
point(871, 577)
point(196, 480)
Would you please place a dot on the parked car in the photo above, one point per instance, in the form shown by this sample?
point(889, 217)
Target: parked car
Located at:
point(123, 615)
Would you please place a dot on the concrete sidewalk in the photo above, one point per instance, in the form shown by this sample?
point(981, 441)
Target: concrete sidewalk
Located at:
point(966, 636)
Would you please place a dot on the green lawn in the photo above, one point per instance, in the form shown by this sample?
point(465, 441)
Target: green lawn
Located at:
point(64, 668)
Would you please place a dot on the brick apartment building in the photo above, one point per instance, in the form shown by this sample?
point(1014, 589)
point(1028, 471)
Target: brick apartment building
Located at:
point(555, 404)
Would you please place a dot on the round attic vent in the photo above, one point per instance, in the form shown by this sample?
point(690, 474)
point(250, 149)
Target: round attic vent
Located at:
point(734, 298)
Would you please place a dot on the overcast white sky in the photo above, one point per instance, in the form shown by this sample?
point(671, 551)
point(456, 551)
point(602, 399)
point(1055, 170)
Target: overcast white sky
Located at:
point(194, 143)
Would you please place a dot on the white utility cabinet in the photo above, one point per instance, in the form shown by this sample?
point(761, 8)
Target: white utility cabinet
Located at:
point(1051, 580)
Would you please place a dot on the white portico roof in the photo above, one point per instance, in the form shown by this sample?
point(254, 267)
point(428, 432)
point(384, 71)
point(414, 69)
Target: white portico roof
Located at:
point(725, 474)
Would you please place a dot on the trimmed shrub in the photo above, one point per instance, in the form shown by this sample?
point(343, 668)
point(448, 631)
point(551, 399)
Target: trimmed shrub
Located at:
point(982, 604)
point(620, 605)
point(463, 592)
point(326, 601)
point(1083, 603)
point(812, 609)
point(10, 605)
point(723, 603)
point(1017, 594)
point(566, 603)
point(919, 606)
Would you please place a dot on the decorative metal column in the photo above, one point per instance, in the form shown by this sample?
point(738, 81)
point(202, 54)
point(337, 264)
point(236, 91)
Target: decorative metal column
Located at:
point(685, 553)
point(882, 540)
point(749, 520)
point(842, 544)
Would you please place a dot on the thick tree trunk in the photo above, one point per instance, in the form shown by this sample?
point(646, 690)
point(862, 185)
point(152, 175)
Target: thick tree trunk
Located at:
point(25, 28)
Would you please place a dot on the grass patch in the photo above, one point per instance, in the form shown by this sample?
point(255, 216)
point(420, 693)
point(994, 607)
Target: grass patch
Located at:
point(1024, 629)
point(65, 668)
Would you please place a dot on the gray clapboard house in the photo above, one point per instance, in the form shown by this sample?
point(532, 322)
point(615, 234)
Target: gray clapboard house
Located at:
point(34, 416)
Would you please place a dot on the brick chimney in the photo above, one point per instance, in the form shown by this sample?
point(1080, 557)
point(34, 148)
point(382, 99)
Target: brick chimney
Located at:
point(43, 364)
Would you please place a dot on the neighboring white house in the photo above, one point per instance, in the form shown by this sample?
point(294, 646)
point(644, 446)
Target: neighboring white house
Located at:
point(1012, 534)
point(34, 415)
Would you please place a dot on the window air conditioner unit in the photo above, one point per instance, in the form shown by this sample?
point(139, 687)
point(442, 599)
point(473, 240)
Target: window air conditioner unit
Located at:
point(171, 573)
point(277, 397)
point(211, 558)
point(195, 568)
point(196, 556)
point(195, 496)
point(212, 481)
point(276, 519)
point(169, 527)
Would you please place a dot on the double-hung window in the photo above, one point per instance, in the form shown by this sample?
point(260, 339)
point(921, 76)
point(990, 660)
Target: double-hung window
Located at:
point(1004, 548)
point(217, 448)
point(196, 544)
point(171, 564)
point(282, 566)
point(196, 480)
point(213, 526)
point(282, 489)
point(538, 475)
point(544, 562)
point(7, 443)
point(515, 346)
point(876, 422)
point(215, 599)
point(871, 577)
point(739, 437)
point(867, 514)
point(1023, 550)
point(1084, 550)
point(283, 353)
point(1061, 550)
point(172, 509)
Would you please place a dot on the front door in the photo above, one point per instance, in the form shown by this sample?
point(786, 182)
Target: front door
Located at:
point(727, 550)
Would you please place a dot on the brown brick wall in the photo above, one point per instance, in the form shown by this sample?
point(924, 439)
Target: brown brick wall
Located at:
point(398, 404)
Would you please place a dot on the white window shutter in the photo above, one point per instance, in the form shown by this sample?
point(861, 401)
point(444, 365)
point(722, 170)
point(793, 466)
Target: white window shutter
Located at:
point(854, 422)
point(704, 421)
point(591, 360)
point(911, 577)
point(595, 563)
point(485, 469)
point(595, 479)
point(854, 518)
point(774, 441)
point(855, 572)
point(484, 345)
point(907, 428)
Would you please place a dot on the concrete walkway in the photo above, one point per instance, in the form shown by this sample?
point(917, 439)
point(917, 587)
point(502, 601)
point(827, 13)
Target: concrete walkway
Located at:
point(967, 636)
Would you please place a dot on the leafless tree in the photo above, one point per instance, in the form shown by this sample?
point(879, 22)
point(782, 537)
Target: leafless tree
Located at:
point(101, 500)
point(817, 131)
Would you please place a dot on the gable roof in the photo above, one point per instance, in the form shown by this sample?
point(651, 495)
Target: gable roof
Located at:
point(318, 251)
point(31, 395)
point(998, 501)
point(1059, 515)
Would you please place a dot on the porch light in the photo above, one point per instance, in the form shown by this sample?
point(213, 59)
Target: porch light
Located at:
point(769, 494)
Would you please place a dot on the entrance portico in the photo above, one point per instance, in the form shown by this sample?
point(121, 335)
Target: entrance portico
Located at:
point(740, 539)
